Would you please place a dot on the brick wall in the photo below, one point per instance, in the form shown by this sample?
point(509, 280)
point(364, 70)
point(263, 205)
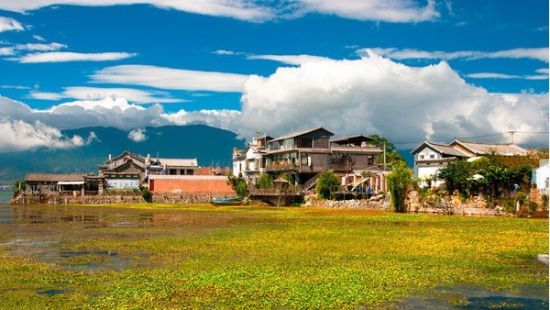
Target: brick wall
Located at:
point(196, 184)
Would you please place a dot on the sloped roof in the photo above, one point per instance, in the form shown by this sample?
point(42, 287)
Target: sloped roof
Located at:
point(441, 148)
point(300, 133)
point(134, 155)
point(350, 138)
point(51, 177)
point(179, 162)
point(506, 149)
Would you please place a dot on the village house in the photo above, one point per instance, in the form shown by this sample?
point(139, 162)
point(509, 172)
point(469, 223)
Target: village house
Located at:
point(303, 155)
point(129, 170)
point(430, 157)
point(63, 184)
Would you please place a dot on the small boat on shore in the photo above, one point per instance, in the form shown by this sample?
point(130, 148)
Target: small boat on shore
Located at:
point(226, 201)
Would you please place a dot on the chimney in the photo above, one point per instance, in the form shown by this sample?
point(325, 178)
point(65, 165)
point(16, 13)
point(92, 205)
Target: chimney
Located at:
point(148, 159)
point(110, 157)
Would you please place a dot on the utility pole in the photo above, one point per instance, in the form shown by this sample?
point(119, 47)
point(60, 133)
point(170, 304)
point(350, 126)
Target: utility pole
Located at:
point(384, 155)
point(512, 132)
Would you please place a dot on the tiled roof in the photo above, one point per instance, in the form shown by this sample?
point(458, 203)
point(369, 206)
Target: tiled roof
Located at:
point(507, 149)
point(50, 177)
point(441, 148)
point(179, 162)
point(300, 133)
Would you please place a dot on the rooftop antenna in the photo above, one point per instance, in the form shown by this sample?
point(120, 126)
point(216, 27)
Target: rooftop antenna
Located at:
point(512, 132)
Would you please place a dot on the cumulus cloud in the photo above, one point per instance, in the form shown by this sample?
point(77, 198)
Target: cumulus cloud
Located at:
point(390, 11)
point(10, 24)
point(137, 135)
point(169, 78)
point(112, 112)
point(18, 135)
point(71, 56)
point(368, 95)
point(377, 95)
point(289, 59)
point(395, 53)
point(97, 93)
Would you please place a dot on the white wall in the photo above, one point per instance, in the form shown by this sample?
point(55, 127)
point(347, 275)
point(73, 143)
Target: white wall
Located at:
point(542, 177)
point(427, 153)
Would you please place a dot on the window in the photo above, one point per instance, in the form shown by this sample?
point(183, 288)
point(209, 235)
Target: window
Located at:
point(304, 159)
point(421, 156)
point(432, 156)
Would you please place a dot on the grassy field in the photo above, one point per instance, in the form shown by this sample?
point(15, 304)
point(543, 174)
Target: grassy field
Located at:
point(259, 257)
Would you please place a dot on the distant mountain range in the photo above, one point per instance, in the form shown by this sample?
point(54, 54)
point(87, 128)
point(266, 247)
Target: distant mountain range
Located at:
point(211, 146)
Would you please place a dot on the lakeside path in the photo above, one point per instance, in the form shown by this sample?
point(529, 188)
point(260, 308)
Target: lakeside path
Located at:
point(199, 256)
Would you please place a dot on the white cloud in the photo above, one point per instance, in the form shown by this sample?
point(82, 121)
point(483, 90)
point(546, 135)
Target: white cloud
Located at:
point(10, 24)
point(225, 52)
point(45, 95)
point(226, 119)
point(368, 95)
point(71, 56)
point(492, 75)
point(289, 59)
point(42, 47)
point(18, 135)
point(391, 11)
point(6, 51)
point(96, 93)
point(543, 71)
point(168, 78)
point(38, 38)
point(377, 95)
point(137, 135)
point(400, 54)
point(239, 9)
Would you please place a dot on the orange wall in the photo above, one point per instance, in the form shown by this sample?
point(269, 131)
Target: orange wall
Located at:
point(191, 186)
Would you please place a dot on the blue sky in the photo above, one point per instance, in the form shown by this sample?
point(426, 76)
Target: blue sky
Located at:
point(502, 48)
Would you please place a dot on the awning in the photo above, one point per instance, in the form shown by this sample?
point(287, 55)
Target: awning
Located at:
point(70, 183)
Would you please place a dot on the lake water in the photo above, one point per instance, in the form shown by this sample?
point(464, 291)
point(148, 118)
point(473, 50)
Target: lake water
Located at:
point(46, 233)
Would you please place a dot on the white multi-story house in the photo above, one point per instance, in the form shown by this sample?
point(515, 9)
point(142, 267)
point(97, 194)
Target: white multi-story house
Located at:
point(250, 162)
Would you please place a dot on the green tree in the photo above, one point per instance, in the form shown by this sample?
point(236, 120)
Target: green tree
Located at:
point(392, 156)
point(19, 185)
point(327, 183)
point(399, 181)
point(266, 181)
point(238, 183)
point(495, 179)
point(457, 176)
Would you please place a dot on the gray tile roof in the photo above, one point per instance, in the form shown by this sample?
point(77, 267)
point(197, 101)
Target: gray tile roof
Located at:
point(507, 149)
point(50, 177)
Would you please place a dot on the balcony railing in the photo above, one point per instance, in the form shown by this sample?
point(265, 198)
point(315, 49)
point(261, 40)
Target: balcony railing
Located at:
point(280, 166)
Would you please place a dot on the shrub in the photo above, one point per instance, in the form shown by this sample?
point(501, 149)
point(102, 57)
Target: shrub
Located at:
point(326, 184)
point(266, 181)
point(238, 184)
point(146, 194)
point(18, 186)
point(398, 183)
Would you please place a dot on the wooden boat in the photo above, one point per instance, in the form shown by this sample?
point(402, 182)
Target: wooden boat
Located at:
point(226, 201)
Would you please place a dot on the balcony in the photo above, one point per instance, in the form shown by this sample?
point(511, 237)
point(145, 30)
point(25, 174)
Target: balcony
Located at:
point(280, 166)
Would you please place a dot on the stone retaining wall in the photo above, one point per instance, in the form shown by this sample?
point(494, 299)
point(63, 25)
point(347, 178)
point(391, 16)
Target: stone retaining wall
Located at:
point(126, 198)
